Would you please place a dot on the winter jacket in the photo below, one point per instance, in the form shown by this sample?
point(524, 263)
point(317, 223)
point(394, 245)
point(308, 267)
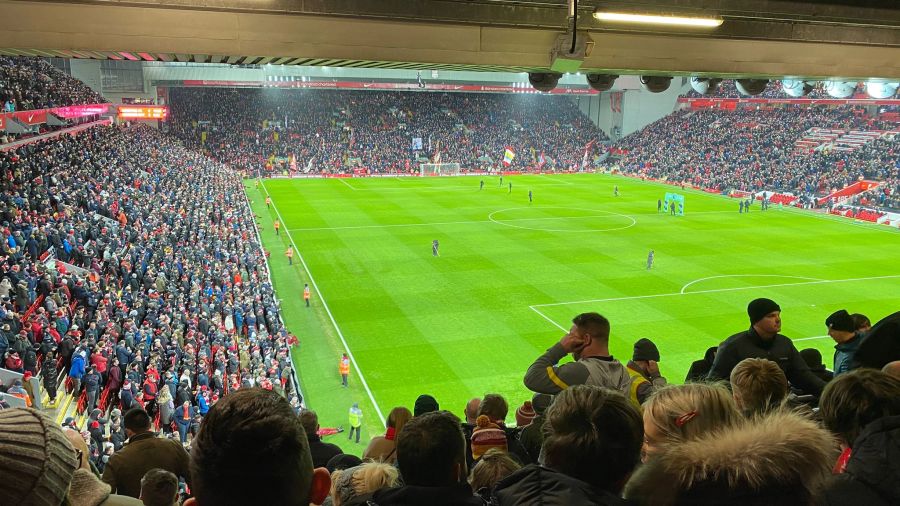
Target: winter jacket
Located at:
point(843, 355)
point(77, 369)
point(534, 484)
point(144, 452)
point(779, 349)
point(872, 476)
point(409, 495)
point(321, 451)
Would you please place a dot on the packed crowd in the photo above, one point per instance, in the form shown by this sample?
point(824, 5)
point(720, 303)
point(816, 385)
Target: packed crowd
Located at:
point(753, 150)
point(33, 83)
point(131, 264)
point(334, 131)
point(727, 89)
point(776, 428)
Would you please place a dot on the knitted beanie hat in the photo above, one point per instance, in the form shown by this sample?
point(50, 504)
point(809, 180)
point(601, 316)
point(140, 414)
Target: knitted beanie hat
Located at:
point(525, 414)
point(425, 404)
point(486, 435)
point(36, 460)
point(644, 349)
point(759, 308)
point(840, 320)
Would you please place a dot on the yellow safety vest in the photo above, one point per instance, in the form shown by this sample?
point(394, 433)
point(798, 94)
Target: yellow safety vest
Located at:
point(637, 379)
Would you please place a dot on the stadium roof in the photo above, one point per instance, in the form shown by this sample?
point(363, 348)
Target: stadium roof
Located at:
point(815, 39)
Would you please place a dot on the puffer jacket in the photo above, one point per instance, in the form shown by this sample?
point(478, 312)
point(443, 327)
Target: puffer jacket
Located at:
point(533, 485)
point(871, 477)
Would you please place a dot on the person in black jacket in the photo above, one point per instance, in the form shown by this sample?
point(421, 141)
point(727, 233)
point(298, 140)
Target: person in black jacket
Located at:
point(592, 443)
point(763, 340)
point(321, 451)
point(862, 408)
point(432, 460)
point(700, 368)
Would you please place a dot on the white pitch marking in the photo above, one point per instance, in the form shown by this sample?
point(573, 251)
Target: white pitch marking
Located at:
point(331, 316)
point(346, 183)
point(683, 288)
point(717, 290)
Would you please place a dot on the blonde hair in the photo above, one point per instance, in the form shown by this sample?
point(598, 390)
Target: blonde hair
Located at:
point(759, 386)
point(494, 465)
point(362, 479)
point(685, 412)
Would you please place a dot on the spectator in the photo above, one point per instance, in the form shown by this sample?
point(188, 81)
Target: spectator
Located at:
point(758, 386)
point(56, 474)
point(432, 462)
point(494, 465)
point(384, 448)
point(862, 408)
point(143, 452)
point(813, 360)
point(892, 369)
point(320, 451)
point(348, 484)
point(496, 409)
point(763, 340)
point(184, 416)
point(524, 414)
point(588, 342)
point(842, 329)
point(532, 435)
point(685, 412)
point(780, 459)
point(159, 488)
point(861, 322)
point(880, 344)
point(592, 444)
point(644, 371)
point(254, 425)
point(425, 404)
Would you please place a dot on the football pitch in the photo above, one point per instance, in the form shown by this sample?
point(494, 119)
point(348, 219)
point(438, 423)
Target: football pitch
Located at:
point(512, 274)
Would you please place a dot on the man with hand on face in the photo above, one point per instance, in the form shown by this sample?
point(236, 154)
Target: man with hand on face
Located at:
point(763, 340)
point(588, 342)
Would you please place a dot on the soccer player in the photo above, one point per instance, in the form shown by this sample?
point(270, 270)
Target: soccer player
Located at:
point(529, 197)
point(658, 205)
point(268, 201)
point(616, 191)
point(747, 205)
point(306, 293)
point(434, 248)
point(481, 186)
point(741, 207)
point(277, 226)
point(510, 188)
point(290, 255)
point(650, 259)
point(501, 181)
point(672, 207)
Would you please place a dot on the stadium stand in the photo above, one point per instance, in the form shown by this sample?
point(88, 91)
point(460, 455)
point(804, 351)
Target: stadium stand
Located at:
point(752, 150)
point(130, 267)
point(33, 83)
point(334, 131)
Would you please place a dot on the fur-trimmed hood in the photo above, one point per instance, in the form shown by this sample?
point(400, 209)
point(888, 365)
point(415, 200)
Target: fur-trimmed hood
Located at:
point(782, 458)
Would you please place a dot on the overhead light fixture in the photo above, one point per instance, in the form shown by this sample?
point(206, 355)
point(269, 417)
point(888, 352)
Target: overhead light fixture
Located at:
point(659, 19)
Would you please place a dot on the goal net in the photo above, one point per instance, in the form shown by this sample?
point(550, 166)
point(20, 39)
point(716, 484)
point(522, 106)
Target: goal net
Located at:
point(438, 169)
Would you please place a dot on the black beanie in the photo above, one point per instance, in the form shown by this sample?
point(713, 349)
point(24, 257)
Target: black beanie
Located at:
point(840, 320)
point(759, 308)
point(644, 349)
point(425, 404)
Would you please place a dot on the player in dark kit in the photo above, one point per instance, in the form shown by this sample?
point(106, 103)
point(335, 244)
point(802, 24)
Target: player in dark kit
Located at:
point(529, 197)
point(434, 248)
point(481, 186)
point(510, 188)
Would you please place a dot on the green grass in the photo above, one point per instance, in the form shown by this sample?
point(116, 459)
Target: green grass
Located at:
point(512, 274)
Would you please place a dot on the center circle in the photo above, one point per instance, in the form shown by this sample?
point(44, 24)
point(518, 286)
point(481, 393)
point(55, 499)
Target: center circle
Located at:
point(547, 222)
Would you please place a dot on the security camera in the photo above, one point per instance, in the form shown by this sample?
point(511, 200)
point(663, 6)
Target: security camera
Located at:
point(797, 88)
point(544, 81)
point(705, 86)
point(840, 89)
point(751, 87)
point(881, 89)
point(656, 84)
point(601, 82)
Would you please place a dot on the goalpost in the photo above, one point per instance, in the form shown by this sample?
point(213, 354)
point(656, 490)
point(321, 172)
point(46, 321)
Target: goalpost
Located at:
point(438, 169)
point(674, 201)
